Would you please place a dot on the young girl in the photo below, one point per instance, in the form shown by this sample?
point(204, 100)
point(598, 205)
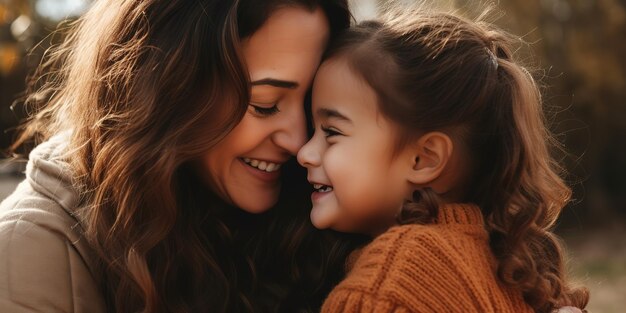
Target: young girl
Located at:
point(431, 139)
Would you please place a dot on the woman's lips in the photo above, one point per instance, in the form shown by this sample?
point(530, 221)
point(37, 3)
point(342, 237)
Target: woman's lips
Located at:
point(261, 174)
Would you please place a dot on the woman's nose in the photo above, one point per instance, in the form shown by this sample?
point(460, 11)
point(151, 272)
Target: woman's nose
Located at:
point(291, 134)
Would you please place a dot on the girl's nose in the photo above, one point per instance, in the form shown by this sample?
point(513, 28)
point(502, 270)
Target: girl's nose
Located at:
point(308, 156)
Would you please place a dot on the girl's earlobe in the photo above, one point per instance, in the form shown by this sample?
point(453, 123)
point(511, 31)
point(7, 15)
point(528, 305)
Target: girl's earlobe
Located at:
point(431, 154)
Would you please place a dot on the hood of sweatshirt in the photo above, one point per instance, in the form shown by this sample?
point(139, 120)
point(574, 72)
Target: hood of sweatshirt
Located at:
point(48, 172)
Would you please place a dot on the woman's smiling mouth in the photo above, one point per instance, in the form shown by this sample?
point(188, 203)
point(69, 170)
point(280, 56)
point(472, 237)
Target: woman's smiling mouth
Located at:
point(262, 165)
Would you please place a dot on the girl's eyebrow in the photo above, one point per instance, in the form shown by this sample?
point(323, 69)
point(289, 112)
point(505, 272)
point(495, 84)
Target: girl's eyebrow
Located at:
point(332, 113)
point(276, 83)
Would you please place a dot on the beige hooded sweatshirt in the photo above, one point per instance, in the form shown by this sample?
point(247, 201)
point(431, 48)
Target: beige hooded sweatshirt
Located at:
point(45, 263)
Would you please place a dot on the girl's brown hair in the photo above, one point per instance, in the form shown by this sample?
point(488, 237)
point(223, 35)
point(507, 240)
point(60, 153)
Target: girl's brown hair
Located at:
point(436, 71)
point(144, 88)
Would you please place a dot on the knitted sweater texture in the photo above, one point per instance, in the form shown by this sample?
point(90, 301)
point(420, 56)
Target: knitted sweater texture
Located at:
point(442, 267)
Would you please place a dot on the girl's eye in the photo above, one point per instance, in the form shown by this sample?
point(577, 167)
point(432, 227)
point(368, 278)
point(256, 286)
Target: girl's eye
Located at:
point(263, 111)
point(329, 132)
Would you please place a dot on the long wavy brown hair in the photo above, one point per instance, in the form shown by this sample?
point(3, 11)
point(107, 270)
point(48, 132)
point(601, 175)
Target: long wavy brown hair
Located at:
point(438, 71)
point(145, 88)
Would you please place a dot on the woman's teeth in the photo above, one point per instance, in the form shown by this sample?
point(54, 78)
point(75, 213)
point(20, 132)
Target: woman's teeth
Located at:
point(322, 188)
point(262, 165)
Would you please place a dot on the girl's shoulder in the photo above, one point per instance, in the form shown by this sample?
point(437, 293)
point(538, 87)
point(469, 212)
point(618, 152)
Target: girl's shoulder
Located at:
point(401, 252)
point(425, 268)
point(404, 243)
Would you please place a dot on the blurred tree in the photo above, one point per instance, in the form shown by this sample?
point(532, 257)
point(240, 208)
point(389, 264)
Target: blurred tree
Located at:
point(582, 44)
point(12, 68)
point(23, 25)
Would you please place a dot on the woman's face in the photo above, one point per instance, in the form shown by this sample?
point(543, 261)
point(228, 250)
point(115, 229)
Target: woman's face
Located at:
point(282, 57)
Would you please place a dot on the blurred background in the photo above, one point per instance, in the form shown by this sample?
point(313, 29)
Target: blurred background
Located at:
point(577, 49)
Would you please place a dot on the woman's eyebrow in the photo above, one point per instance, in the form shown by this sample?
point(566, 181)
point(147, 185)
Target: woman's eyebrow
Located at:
point(332, 113)
point(276, 83)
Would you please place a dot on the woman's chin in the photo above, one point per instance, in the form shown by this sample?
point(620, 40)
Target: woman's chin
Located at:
point(258, 205)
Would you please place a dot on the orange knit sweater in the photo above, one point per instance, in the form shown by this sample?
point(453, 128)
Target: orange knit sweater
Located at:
point(442, 267)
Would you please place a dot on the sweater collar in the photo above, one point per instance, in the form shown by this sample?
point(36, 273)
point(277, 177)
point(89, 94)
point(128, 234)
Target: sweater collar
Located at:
point(460, 213)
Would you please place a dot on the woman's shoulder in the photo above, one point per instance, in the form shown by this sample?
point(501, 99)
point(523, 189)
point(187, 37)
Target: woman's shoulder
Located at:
point(45, 263)
point(27, 206)
point(46, 199)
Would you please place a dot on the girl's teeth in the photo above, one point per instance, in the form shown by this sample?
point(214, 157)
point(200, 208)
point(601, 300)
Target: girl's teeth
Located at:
point(254, 163)
point(262, 165)
point(270, 167)
point(322, 188)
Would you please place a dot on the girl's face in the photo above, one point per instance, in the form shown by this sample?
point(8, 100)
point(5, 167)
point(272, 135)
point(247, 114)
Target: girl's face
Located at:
point(282, 57)
point(360, 185)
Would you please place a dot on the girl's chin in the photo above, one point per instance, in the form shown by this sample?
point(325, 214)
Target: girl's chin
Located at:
point(323, 218)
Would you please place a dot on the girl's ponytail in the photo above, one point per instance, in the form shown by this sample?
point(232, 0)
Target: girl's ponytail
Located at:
point(530, 188)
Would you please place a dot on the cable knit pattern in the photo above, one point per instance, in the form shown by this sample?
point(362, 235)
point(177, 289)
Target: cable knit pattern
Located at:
point(442, 267)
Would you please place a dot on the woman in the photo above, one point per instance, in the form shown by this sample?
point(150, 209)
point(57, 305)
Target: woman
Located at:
point(166, 123)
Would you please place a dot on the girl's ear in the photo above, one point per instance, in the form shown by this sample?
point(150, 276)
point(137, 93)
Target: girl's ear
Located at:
point(431, 154)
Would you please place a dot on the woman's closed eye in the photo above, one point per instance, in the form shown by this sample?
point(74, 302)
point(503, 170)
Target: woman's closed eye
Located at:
point(264, 110)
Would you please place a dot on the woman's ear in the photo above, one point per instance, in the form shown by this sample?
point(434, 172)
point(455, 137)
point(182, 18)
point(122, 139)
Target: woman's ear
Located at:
point(431, 154)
